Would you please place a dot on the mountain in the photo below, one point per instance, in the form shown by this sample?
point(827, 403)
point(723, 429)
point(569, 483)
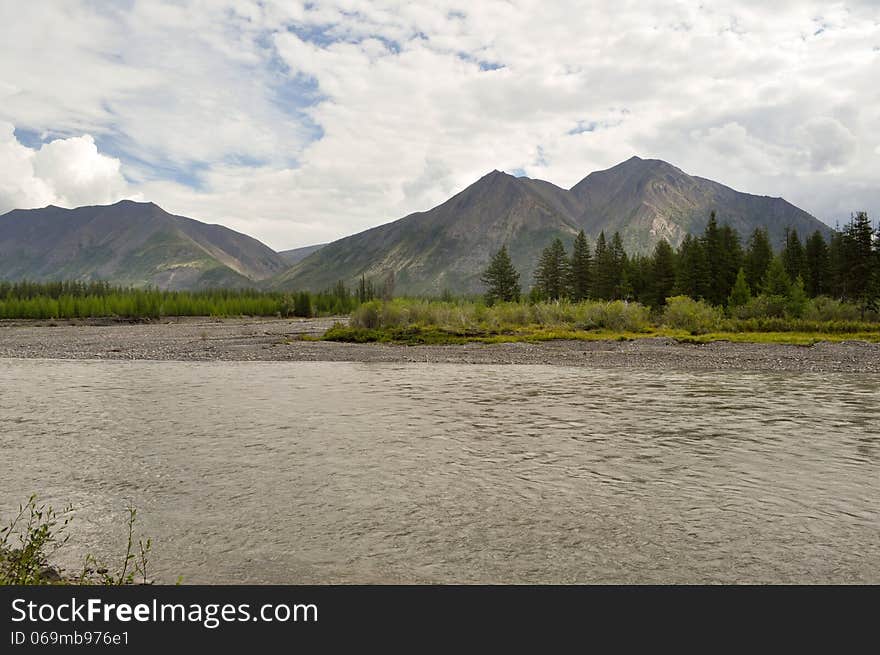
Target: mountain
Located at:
point(450, 245)
point(130, 243)
point(648, 199)
point(296, 255)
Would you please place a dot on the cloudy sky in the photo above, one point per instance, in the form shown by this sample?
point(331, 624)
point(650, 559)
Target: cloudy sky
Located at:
point(300, 122)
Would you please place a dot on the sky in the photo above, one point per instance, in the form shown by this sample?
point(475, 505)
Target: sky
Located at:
point(301, 122)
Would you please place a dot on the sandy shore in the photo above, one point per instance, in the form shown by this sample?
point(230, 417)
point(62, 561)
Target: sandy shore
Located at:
point(205, 339)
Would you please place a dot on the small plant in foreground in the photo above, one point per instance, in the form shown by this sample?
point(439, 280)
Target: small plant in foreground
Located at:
point(37, 532)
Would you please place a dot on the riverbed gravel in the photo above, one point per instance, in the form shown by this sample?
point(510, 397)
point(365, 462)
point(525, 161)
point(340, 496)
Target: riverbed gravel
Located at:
point(205, 339)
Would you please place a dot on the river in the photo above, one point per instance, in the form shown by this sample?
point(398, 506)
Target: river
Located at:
point(295, 472)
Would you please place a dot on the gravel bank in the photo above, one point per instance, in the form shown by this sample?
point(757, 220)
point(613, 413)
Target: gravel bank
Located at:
point(205, 339)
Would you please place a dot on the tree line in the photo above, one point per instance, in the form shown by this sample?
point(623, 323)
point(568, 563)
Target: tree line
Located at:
point(715, 267)
point(76, 299)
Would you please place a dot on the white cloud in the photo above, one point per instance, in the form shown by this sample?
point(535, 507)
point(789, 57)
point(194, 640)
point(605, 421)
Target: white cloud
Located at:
point(65, 172)
point(214, 107)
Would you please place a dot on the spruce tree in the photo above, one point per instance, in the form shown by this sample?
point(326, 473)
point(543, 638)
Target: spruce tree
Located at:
point(501, 279)
point(603, 270)
point(837, 273)
point(581, 268)
point(621, 286)
point(302, 304)
point(859, 253)
point(732, 259)
point(552, 274)
point(662, 274)
point(797, 298)
point(715, 284)
point(777, 282)
point(639, 277)
point(740, 294)
point(692, 271)
point(757, 259)
point(816, 265)
point(793, 254)
point(365, 292)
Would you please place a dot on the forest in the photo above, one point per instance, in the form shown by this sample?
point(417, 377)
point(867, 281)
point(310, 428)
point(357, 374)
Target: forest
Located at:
point(69, 300)
point(716, 267)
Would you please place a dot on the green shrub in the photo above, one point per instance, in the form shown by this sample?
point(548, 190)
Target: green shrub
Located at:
point(38, 531)
point(367, 315)
point(695, 316)
point(616, 315)
point(762, 306)
point(824, 308)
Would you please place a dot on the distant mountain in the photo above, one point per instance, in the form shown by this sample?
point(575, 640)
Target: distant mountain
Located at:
point(130, 243)
point(449, 246)
point(296, 255)
point(648, 199)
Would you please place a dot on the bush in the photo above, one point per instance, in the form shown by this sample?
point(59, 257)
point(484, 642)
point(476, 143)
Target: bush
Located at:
point(824, 308)
point(367, 315)
point(38, 531)
point(616, 315)
point(695, 316)
point(762, 306)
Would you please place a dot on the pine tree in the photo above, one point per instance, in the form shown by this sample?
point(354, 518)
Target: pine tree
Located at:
point(501, 278)
point(777, 282)
point(581, 268)
point(740, 294)
point(662, 274)
point(552, 274)
point(757, 260)
point(793, 254)
point(816, 265)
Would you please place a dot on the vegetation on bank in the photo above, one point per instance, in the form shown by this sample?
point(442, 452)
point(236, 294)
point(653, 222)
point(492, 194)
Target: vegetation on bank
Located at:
point(681, 317)
point(710, 288)
point(713, 267)
point(37, 532)
point(68, 300)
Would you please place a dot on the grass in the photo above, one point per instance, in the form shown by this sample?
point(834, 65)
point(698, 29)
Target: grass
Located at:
point(417, 335)
point(419, 322)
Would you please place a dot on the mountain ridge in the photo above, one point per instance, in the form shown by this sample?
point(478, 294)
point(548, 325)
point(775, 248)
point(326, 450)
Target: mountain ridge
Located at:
point(442, 248)
point(448, 246)
point(130, 243)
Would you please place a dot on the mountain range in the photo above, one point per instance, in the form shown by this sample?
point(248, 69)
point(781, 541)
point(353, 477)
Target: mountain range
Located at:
point(447, 247)
point(450, 245)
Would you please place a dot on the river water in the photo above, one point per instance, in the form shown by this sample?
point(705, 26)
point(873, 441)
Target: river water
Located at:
point(280, 472)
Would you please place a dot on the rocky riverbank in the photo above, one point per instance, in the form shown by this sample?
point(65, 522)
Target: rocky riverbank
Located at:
point(204, 339)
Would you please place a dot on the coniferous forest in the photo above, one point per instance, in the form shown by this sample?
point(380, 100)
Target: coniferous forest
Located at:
point(748, 279)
